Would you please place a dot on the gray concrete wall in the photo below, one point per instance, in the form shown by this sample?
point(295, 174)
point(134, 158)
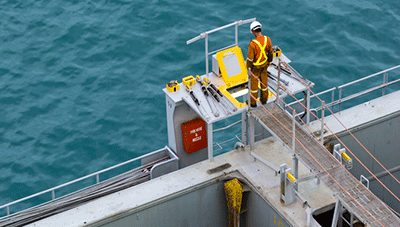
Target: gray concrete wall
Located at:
point(205, 206)
point(382, 139)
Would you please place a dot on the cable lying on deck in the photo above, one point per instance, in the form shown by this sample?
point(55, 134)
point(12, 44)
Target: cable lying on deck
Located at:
point(75, 199)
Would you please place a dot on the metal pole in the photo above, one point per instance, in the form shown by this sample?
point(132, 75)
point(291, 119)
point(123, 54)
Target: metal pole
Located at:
point(210, 142)
point(249, 89)
point(336, 213)
point(322, 122)
point(295, 159)
point(251, 119)
point(236, 34)
point(308, 108)
point(244, 128)
point(384, 82)
point(333, 99)
point(340, 99)
point(206, 40)
point(294, 131)
point(279, 79)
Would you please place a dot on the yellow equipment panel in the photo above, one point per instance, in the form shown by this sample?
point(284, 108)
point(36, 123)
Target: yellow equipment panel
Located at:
point(232, 66)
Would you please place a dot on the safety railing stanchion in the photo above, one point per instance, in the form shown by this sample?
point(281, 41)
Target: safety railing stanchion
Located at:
point(249, 88)
point(279, 83)
point(333, 100)
point(206, 42)
point(308, 107)
point(210, 142)
point(385, 80)
point(295, 159)
point(322, 122)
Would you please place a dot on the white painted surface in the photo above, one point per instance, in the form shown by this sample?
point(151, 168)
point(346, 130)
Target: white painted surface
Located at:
point(260, 176)
point(360, 114)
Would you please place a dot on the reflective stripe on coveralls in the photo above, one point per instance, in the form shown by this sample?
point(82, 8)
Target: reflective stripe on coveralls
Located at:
point(262, 53)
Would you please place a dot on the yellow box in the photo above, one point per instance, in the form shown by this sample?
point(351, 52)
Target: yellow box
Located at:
point(189, 81)
point(172, 86)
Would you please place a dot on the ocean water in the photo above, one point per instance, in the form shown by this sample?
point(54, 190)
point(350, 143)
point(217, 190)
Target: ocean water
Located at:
point(81, 81)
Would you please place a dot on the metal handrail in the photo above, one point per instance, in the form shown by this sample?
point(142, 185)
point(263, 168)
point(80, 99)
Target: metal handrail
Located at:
point(205, 36)
point(341, 99)
point(97, 174)
point(313, 96)
point(383, 85)
point(367, 77)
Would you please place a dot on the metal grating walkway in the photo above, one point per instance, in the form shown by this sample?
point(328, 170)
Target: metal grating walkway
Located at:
point(363, 196)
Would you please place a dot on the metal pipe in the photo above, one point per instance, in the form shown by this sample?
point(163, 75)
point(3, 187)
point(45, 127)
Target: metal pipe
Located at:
point(223, 48)
point(305, 203)
point(206, 41)
point(202, 35)
point(312, 96)
point(322, 122)
point(294, 131)
point(340, 99)
point(210, 142)
point(308, 108)
point(367, 77)
point(229, 126)
point(236, 33)
point(385, 78)
point(249, 88)
point(82, 178)
point(244, 128)
point(251, 119)
point(279, 81)
point(333, 98)
point(384, 173)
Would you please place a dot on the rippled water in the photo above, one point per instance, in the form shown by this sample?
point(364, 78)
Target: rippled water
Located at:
point(81, 81)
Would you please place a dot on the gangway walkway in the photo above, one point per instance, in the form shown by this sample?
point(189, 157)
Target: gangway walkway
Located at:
point(321, 159)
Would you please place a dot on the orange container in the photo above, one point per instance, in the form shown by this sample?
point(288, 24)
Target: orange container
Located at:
point(194, 135)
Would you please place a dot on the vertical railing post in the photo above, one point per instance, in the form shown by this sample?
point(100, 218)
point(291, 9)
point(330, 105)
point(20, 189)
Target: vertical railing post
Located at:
point(322, 122)
point(294, 131)
point(210, 143)
point(206, 42)
point(53, 195)
point(236, 34)
point(295, 159)
point(279, 79)
point(249, 87)
point(308, 107)
point(385, 79)
point(8, 210)
point(97, 178)
point(251, 133)
point(333, 99)
point(340, 99)
point(244, 128)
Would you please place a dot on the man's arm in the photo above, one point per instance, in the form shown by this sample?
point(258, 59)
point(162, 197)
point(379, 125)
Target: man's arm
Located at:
point(250, 57)
point(270, 51)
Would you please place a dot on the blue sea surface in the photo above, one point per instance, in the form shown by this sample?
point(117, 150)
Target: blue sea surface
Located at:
point(81, 81)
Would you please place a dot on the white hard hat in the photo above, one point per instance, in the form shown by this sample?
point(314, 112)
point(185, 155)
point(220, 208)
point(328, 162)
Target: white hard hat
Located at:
point(254, 25)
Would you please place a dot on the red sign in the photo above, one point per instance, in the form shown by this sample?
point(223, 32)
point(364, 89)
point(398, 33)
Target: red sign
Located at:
point(194, 135)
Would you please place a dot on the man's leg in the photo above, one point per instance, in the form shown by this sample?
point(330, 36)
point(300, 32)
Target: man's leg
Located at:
point(254, 87)
point(264, 85)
